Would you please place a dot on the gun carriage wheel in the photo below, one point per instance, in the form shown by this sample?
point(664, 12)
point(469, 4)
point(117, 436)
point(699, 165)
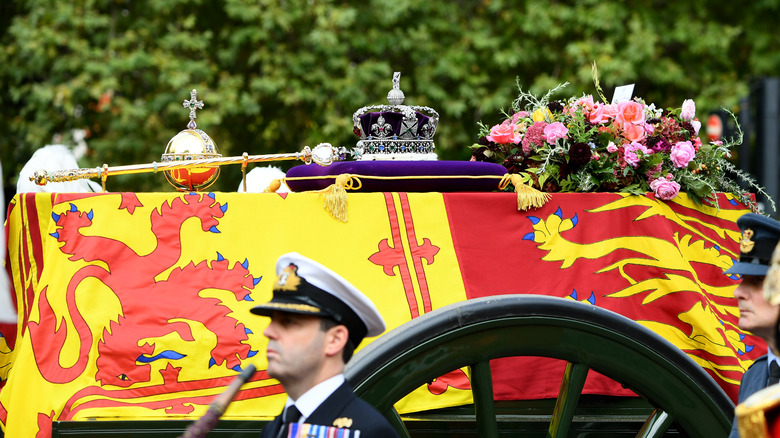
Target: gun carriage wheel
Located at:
point(680, 398)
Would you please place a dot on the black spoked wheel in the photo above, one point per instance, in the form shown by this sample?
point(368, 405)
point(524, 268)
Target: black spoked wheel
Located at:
point(681, 396)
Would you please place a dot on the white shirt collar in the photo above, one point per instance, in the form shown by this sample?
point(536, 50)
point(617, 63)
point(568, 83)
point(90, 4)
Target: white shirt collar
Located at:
point(770, 356)
point(313, 398)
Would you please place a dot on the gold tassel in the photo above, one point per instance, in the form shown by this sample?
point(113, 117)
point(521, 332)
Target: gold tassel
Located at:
point(527, 196)
point(336, 196)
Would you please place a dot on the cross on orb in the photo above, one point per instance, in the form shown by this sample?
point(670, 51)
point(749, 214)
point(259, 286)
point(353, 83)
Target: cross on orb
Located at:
point(193, 104)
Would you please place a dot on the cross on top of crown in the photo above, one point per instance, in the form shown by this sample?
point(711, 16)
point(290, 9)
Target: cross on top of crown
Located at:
point(193, 104)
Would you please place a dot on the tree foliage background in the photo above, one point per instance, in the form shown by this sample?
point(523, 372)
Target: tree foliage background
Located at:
point(280, 74)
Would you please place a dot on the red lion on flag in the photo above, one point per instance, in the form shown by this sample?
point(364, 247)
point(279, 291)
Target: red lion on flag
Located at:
point(128, 344)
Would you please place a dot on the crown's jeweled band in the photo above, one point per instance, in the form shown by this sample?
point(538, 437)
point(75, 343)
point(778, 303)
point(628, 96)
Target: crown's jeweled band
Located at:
point(394, 147)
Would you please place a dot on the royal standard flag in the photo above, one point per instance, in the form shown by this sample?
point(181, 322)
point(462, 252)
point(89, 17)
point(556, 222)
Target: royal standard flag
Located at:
point(136, 306)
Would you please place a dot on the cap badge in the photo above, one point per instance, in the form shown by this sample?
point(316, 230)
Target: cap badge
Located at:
point(342, 422)
point(288, 280)
point(746, 244)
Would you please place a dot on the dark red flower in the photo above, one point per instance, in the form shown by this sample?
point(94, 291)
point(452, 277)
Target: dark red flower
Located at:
point(579, 154)
point(555, 107)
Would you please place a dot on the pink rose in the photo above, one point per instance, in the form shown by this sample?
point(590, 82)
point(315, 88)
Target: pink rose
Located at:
point(601, 113)
point(664, 189)
point(554, 131)
point(682, 153)
point(630, 156)
point(586, 102)
point(634, 132)
point(696, 126)
point(503, 134)
point(596, 116)
point(630, 112)
point(611, 147)
point(610, 111)
point(688, 111)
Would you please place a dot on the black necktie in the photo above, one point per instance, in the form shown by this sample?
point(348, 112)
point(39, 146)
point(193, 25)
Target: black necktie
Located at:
point(291, 415)
point(774, 373)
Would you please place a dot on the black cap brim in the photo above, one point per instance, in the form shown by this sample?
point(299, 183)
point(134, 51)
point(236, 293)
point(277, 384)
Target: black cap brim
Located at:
point(742, 268)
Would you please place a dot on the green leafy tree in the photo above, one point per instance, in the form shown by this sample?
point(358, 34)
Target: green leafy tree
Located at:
point(278, 75)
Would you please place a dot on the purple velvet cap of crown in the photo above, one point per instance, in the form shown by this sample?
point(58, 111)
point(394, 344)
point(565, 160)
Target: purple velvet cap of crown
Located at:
point(405, 169)
point(393, 118)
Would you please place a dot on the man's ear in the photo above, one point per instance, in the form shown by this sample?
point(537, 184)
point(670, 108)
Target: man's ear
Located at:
point(335, 340)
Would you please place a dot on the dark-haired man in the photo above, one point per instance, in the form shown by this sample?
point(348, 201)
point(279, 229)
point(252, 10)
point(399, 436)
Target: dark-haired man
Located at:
point(317, 320)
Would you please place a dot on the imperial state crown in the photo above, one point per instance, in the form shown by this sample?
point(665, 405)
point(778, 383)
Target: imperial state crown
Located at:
point(395, 131)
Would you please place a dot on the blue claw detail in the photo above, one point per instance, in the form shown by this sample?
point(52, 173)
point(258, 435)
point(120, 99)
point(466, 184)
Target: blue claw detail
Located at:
point(248, 331)
point(529, 236)
point(733, 202)
point(245, 264)
point(55, 216)
point(592, 298)
point(223, 207)
point(55, 234)
point(575, 220)
point(214, 229)
point(73, 208)
point(739, 352)
point(749, 348)
point(559, 213)
point(212, 362)
point(193, 193)
point(237, 368)
point(573, 294)
point(211, 195)
point(252, 353)
point(219, 257)
point(90, 215)
point(256, 280)
point(248, 298)
point(741, 336)
point(534, 220)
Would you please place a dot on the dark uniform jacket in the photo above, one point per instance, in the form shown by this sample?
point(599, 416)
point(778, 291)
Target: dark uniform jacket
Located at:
point(343, 403)
point(753, 381)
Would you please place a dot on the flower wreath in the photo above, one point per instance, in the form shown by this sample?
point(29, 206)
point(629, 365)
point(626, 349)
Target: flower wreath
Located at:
point(584, 145)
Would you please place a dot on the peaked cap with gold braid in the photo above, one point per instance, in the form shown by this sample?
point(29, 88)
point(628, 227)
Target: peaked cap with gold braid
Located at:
point(306, 287)
point(760, 235)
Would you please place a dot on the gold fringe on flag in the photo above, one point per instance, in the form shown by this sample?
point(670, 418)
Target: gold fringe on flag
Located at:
point(336, 195)
point(527, 196)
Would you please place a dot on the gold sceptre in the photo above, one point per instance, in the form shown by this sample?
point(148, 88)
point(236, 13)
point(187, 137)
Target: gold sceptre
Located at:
point(191, 160)
point(323, 154)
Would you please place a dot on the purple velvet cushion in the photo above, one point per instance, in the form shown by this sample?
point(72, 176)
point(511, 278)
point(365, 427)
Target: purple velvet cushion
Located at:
point(423, 169)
